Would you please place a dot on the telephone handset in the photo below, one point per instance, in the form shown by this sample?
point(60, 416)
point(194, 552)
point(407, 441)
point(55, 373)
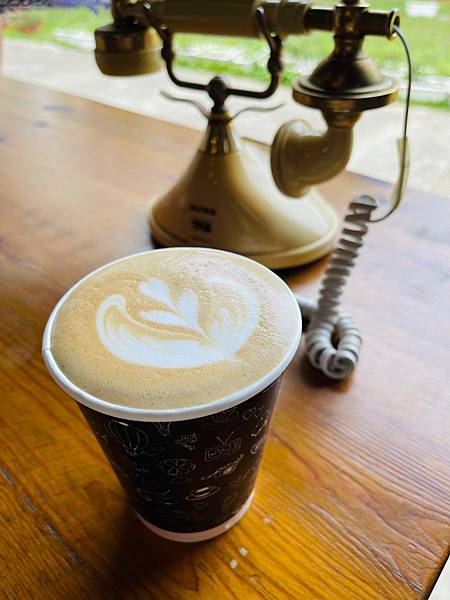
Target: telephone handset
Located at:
point(224, 199)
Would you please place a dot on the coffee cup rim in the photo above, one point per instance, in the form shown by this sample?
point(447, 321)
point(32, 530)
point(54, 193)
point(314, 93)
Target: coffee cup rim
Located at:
point(171, 414)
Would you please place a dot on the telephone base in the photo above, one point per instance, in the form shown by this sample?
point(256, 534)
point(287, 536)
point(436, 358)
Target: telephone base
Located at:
point(294, 257)
point(230, 202)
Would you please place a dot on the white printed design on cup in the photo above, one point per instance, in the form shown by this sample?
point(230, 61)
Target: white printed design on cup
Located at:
point(261, 424)
point(223, 448)
point(225, 470)
point(132, 439)
point(202, 493)
point(188, 441)
point(163, 428)
point(258, 445)
point(262, 417)
point(134, 472)
point(177, 468)
point(165, 497)
point(253, 412)
point(184, 334)
point(226, 416)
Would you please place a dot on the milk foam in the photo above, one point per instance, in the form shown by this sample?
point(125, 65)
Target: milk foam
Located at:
point(191, 335)
point(174, 328)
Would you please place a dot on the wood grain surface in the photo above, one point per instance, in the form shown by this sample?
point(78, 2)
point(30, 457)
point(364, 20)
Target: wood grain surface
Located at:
point(352, 500)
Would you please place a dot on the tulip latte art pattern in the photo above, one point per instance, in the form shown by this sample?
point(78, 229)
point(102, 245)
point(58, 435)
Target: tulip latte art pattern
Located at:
point(179, 332)
point(174, 328)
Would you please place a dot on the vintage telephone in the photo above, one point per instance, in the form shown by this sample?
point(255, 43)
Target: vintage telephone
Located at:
point(226, 197)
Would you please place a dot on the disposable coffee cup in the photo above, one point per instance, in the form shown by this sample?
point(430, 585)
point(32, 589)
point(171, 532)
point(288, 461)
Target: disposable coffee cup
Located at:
point(188, 470)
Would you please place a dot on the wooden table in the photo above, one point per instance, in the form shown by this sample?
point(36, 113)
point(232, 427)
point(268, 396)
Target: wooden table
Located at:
point(353, 497)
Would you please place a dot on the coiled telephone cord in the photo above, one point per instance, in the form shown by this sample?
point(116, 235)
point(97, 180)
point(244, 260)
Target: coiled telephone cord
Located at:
point(326, 322)
point(325, 319)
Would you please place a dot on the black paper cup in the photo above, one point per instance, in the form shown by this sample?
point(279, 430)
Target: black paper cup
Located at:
point(189, 472)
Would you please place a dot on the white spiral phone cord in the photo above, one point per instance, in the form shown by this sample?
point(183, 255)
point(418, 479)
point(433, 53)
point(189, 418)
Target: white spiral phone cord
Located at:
point(326, 322)
point(325, 319)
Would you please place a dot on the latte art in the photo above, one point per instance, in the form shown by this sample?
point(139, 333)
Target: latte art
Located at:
point(179, 332)
point(174, 328)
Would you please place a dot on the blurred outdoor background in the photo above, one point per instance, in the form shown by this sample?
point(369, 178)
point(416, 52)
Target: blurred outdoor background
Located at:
point(54, 47)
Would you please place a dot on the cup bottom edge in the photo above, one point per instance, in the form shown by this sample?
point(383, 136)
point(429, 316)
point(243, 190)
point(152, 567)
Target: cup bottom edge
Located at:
point(199, 536)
